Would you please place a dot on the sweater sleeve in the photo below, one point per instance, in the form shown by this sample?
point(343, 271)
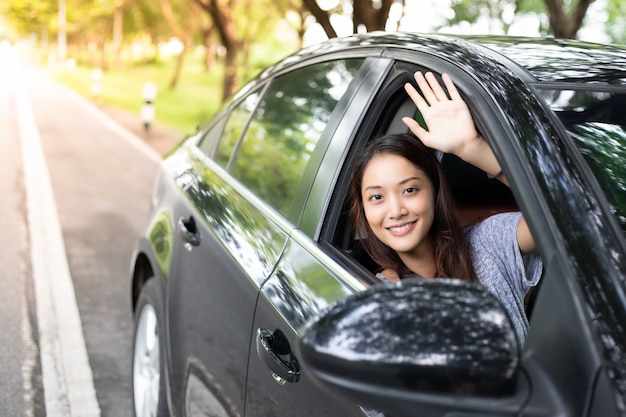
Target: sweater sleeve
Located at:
point(500, 266)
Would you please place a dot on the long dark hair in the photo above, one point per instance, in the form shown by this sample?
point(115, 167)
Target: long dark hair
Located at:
point(451, 250)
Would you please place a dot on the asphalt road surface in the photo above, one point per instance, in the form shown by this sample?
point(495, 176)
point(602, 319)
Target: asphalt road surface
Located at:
point(75, 186)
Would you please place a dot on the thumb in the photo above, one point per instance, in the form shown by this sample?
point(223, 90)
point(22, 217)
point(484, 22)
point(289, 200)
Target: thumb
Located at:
point(415, 127)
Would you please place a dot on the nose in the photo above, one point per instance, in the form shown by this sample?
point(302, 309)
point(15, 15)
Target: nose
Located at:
point(396, 208)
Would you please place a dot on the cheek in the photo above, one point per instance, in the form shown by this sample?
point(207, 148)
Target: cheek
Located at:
point(426, 206)
point(372, 213)
point(432, 209)
point(368, 213)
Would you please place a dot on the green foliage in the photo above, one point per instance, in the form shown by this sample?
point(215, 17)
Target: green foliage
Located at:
point(503, 13)
point(493, 10)
point(465, 11)
point(196, 98)
point(264, 37)
point(534, 7)
point(29, 16)
point(530, 6)
point(616, 22)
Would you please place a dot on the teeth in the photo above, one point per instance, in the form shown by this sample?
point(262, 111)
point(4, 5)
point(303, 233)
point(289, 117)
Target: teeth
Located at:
point(400, 228)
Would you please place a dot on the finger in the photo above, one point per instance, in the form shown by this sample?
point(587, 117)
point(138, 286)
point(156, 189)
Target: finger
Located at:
point(454, 93)
point(436, 87)
point(416, 97)
point(424, 87)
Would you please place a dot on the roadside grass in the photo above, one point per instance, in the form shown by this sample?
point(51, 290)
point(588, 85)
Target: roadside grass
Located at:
point(196, 97)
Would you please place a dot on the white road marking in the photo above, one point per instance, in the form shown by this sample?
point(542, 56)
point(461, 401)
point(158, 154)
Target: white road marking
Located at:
point(30, 358)
point(67, 377)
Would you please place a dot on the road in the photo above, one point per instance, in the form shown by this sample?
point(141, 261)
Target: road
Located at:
point(75, 190)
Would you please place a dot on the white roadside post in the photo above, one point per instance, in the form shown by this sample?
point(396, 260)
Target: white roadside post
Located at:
point(148, 94)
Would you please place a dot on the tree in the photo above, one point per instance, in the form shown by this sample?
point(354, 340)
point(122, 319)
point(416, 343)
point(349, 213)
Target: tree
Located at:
point(616, 21)
point(565, 17)
point(146, 19)
point(566, 21)
point(97, 25)
point(473, 10)
point(30, 17)
point(183, 24)
point(370, 15)
point(238, 30)
point(221, 13)
point(298, 16)
point(367, 15)
point(322, 17)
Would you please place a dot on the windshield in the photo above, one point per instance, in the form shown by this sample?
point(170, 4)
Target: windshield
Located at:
point(597, 123)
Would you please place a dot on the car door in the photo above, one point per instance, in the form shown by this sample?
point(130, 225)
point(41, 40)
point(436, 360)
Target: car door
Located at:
point(225, 248)
point(306, 280)
point(242, 186)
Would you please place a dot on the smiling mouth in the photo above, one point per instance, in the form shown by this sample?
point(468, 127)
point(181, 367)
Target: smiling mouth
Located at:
point(400, 229)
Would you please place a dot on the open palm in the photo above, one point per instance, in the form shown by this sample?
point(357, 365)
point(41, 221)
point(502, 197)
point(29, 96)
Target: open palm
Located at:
point(449, 121)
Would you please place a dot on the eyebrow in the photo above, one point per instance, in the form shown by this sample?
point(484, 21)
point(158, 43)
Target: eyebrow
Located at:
point(404, 181)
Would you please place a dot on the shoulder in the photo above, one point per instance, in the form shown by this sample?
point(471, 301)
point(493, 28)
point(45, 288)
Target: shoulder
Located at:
point(498, 226)
point(500, 219)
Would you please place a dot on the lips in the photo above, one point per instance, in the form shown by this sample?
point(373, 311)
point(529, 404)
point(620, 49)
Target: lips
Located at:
point(401, 229)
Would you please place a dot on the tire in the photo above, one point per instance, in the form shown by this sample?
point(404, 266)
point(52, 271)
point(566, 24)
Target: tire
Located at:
point(148, 377)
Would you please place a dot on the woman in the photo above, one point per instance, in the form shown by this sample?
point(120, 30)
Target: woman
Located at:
point(405, 211)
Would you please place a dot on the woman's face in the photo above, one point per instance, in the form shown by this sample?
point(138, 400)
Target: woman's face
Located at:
point(399, 203)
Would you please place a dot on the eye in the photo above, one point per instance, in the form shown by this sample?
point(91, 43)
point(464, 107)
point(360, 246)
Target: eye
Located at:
point(375, 197)
point(411, 190)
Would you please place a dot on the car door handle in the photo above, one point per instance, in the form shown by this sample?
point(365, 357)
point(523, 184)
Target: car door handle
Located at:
point(275, 352)
point(189, 230)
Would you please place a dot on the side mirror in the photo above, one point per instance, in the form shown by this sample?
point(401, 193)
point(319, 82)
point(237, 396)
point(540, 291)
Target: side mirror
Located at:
point(416, 348)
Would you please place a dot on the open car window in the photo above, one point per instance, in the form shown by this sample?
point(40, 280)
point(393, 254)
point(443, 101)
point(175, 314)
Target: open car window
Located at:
point(477, 196)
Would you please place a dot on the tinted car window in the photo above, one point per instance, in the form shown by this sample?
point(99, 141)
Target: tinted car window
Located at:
point(597, 122)
point(235, 125)
point(212, 136)
point(285, 128)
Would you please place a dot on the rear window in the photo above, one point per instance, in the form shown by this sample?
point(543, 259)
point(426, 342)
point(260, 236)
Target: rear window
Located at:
point(284, 127)
point(597, 123)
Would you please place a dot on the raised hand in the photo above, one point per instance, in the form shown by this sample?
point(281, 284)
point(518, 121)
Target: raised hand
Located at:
point(450, 125)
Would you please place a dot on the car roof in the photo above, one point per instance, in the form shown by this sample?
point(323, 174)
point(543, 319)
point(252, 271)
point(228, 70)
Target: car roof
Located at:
point(545, 60)
point(562, 60)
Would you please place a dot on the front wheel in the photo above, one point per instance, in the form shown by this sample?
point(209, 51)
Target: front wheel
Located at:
point(148, 378)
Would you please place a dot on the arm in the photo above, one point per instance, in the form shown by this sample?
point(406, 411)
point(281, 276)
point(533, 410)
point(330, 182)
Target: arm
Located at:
point(451, 129)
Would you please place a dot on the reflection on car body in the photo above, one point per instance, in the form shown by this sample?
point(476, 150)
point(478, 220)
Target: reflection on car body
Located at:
point(249, 243)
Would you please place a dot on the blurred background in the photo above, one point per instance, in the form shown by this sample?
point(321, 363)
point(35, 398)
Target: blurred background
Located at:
point(197, 53)
point(184, 57)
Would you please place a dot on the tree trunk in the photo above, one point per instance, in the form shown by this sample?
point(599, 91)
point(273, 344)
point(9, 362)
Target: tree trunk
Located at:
point(103, 55)
point(564, 26)
point(117, 36)
point(230, 74)
point(183, 34)
point(370, 17)
point(209, 48)
point(180, 60)
point(322, 17)
point(225, 26)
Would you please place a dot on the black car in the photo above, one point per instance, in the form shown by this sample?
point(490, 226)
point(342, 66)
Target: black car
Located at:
point(253, 297)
